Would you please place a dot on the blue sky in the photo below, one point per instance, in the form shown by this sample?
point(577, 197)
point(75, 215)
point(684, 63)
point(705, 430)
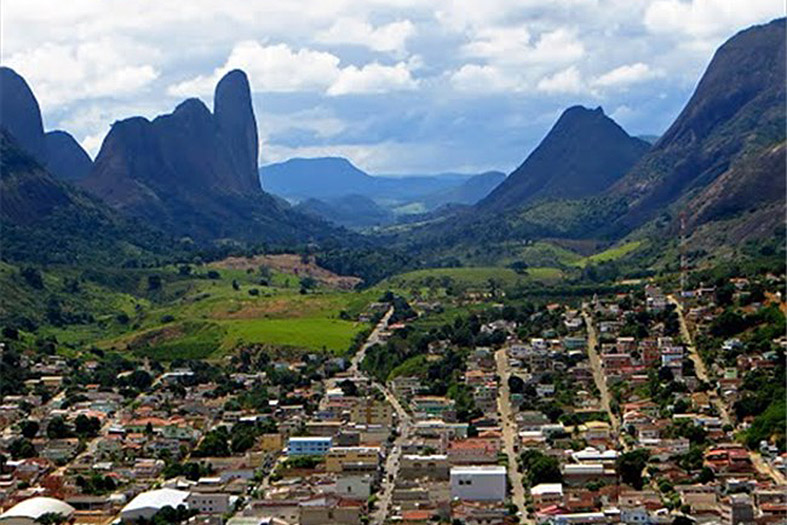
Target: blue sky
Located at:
point(397, 86)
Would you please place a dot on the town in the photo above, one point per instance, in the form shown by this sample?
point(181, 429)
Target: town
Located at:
point(648, 404)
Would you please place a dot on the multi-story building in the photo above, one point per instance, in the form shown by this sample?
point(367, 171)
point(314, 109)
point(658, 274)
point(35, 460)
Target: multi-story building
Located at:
point(478, 483)
point(308, 446)
point(338, 458)
point(370, 411)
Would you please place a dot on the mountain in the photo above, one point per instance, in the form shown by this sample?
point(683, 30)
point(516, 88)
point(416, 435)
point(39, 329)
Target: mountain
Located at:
point(45, 220)
point(65, 158)
point(20, 115)
point(319, 178)
point(582, 155)
point(194, 173)
point(326, 178)
point(352, 211)
point(469, 192)
point(735, 117)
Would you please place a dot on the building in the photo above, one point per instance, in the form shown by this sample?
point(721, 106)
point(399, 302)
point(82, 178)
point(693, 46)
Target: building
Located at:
point(209, 502)
point(330, 510)
point(272, 442)
point(472, 451)
point(433, 466)
point(308, 446)
point(739, 510)
point(478, 483)
point(545, 494)
point(369, 411)
point(147, 504)
point(28, 512)
point(339, 458)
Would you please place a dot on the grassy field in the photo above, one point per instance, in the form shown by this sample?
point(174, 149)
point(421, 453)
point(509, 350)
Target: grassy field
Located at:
point(185, 315)
point(473, 277)
point(611, 254)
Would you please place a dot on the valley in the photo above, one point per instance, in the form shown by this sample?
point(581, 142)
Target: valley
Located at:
point(596, 337)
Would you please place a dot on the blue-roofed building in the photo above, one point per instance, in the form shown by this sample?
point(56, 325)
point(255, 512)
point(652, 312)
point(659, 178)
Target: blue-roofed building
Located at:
point(308, 446)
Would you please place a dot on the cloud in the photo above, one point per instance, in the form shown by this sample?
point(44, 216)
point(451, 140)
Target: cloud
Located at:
point(514, 45)
point(626, 75)
point(373, 78)
point(60, 74)
point(274, 68)
point(475, 78)
point(566, 81)
point(708, 18)
point(278, 68)
point(386, 38)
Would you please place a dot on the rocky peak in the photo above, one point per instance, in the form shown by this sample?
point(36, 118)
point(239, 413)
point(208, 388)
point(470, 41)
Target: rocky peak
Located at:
point(235, 118)
point(20, 114)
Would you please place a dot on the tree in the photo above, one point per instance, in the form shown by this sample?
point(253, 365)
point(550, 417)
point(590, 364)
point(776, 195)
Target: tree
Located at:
point(544, 470)
point(516, 384)
point(32, 277)
point(51, 518)
point(154, 282)
point(29, 428)
point(58, 428)
point(86, 426)
point(22, 448)
point(630, 467)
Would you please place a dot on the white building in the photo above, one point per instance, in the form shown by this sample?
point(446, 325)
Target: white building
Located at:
point(147, 504)
point(28, 511)
point(478, 483)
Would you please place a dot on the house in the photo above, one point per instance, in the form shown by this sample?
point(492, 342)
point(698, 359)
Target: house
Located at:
point(330, 510)
point(472, 451)
point(545, 494)
point(478, 483)
point(338, 458)
point(434, 466)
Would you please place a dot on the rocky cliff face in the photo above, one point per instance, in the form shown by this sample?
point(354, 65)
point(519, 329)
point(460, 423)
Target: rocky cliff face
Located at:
point(238, 127)
point(735, 114)
point(582, 155)
point(20, 116)
point(193, 172)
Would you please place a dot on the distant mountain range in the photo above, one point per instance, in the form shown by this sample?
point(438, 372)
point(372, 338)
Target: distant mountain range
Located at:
point(193, 173)
point(325, 185)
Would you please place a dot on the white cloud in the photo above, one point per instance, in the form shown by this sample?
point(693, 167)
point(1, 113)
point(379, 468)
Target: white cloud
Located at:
point(475, 78)
point(709, 18)
point(373, 78)
point(514, 45)
point(386, 38)
point(626, 75)
point(60, 74)
point(274, 68)
point(566, 81)
point(278, 68)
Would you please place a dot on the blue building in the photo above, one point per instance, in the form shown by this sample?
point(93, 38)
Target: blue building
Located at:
point(308, 446)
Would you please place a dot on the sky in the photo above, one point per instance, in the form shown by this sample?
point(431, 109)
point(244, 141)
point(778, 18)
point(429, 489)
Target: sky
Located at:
point(396, 86)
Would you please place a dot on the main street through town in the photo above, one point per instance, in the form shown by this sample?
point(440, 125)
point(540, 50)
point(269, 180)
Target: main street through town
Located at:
point(509, 430)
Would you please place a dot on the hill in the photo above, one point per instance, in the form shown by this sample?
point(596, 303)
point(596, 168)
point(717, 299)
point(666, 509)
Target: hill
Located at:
point(469, 192)
point(582, 155)
point(45, 220)
point(352, 211)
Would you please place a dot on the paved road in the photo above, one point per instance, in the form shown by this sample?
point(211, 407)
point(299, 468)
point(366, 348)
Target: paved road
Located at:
point(598, 371)
point(391, 468)
point(509, 429)
point(699, 365)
